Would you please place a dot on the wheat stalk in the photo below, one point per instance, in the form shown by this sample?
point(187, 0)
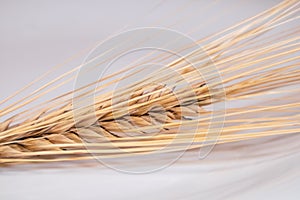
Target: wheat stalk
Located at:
point(252, 66)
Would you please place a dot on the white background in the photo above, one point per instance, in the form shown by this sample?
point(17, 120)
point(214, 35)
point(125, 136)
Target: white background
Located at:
point(36, 35)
